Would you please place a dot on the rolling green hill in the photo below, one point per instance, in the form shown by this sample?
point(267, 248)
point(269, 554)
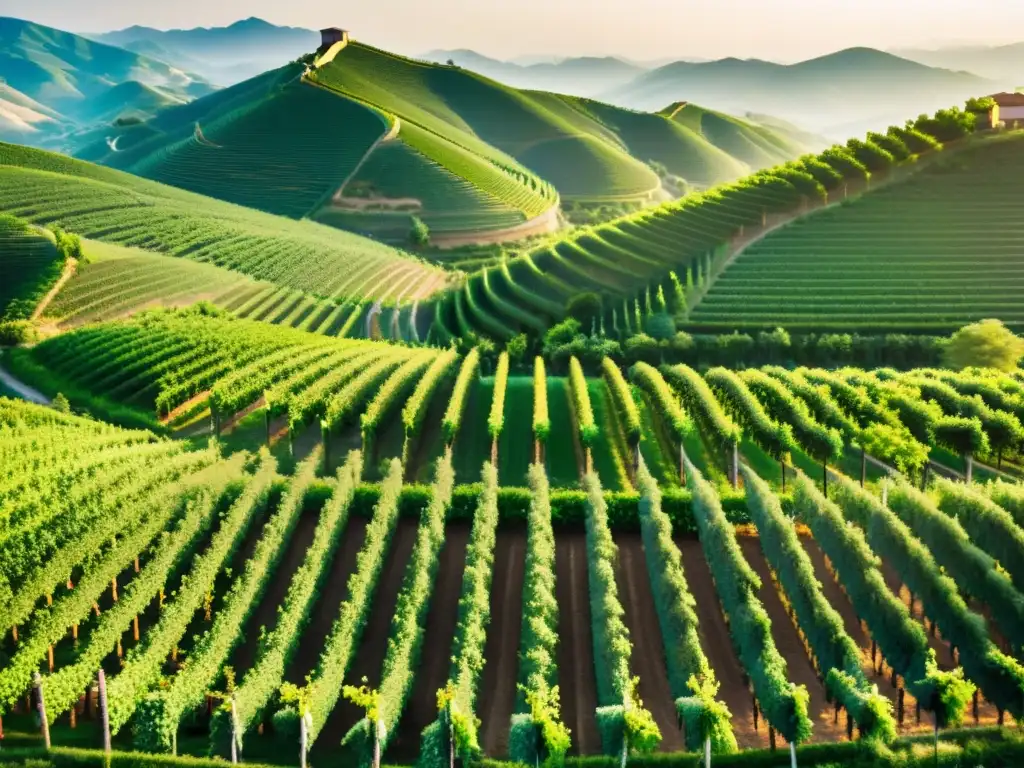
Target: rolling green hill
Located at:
point(925, 242)
point(112, 206)
point(368, 140)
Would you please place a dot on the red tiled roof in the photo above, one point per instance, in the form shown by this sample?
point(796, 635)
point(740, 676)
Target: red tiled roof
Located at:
point(1009, 99)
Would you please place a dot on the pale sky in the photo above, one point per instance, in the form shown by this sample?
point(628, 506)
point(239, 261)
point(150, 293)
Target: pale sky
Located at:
point(783, 30)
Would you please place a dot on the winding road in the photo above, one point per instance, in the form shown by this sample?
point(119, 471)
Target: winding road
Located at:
point(21, 389)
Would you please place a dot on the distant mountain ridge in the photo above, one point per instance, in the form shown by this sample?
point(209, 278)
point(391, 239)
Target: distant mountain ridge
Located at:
point(857, 88)
point(55, 82)
point(1002, 63)
point(584, 76)
point(225, 55)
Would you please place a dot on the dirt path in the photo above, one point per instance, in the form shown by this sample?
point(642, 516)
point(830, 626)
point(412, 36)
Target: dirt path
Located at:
point(266, 611)
point(21, 389)
point(329, 600)
point(389, 135)
point(718, 647)
point(370, 657)
point(70, 267)
point(435, 654)
point(497, 698)
point(543, 224)
point(575, 646)
point(788, 641)
point(648, 660)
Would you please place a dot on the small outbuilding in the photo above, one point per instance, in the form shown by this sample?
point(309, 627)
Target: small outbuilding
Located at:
point(332, 35)
point(1009, 108)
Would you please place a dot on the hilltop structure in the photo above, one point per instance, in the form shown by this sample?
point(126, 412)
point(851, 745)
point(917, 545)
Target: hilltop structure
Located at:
point(331, 35)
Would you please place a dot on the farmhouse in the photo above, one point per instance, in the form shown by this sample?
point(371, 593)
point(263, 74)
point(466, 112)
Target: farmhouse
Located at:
point(332, 35)
point(1009, 107)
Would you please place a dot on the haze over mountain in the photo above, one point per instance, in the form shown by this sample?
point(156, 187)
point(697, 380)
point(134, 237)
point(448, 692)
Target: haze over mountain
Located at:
point(55, 82)
point(841, 94)
point(1004, 63)
point(581, 76)
point(224, 55)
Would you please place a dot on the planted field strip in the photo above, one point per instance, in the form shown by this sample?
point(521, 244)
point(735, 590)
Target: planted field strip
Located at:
point(117, 208)
point(115, 286)
point(931, 253)
point(31, 263)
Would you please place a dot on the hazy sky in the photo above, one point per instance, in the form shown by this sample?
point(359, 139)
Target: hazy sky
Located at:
point(785, 30)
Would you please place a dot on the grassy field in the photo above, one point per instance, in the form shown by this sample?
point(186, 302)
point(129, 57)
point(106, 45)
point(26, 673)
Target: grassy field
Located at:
point(562, 448)
point(515, 447)
point(119, 208)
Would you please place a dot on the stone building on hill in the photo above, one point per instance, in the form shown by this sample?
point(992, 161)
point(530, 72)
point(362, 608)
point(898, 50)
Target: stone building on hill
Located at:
point(332, 35)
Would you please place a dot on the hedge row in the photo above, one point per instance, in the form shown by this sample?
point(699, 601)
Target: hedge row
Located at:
point(999, 677)
point(160, 713)
point(325, 682)
point(622, 395)
point(568, 506)
point(459, 713)
point(541, 419)
point(402, 658)
point(496, 418)
point(784, 704)
point(774, 438)
point(144, 665)
point(689, 671)
point(955, 550)
point(262, 681)
point(989, 526)
point(537, 731)
point(901, 639)
point(715, 424)
point(460, 395)
point(834, 651)
point(622, 721)
point(582, 407)
point(820, 442)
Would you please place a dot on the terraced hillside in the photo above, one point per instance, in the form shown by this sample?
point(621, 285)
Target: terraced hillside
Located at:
point(30, 262)
point(667, 259)
point(115, 207)
point(931, 253)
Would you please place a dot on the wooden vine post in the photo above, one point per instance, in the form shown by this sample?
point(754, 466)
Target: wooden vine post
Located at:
point(44, 724)
point(104, 711)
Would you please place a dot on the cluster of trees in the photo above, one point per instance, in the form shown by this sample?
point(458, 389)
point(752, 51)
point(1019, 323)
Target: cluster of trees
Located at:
point(986, 344)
